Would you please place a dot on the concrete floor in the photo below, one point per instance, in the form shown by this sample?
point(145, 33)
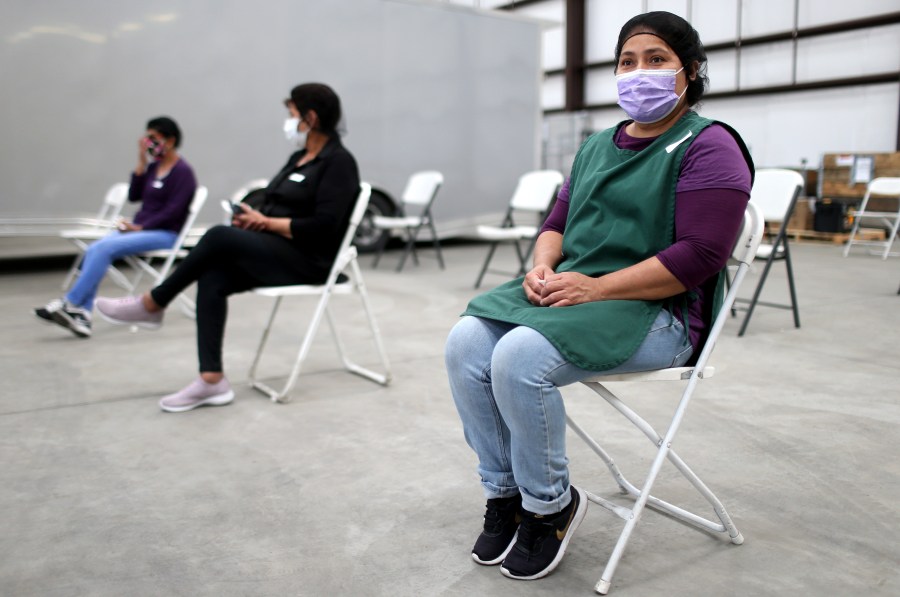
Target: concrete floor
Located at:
point(355, 489)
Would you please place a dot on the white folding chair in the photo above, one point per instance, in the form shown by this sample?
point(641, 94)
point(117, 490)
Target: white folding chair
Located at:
point(336, 283)
point(142, 263)
point(533, 195)
point(94, 230)
point(419, 195)
point(742, 255)
point(887, 187)
point(775, 191)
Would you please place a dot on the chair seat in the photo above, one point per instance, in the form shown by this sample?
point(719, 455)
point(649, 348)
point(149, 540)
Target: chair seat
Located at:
point(345, 287)
point(390, 222)
point(509, 233)
point(672, 374)
point(765, 251)
point(86, 233)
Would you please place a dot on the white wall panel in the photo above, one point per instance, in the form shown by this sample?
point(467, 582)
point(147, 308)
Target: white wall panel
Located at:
point(714, 20)
point(784, 128)
point(820, 12)
point(678, 7)
point(600, 86)
point(766, 64)
point(553, 92)
point(554, 37)
point(604, 19)
point(849, 54)
point(721, 68)
point(759, 17)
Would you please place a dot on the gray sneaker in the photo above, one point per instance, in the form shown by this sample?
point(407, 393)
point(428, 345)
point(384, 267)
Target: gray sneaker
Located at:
point(75, 319)
point(128, 310)
point(198, 393)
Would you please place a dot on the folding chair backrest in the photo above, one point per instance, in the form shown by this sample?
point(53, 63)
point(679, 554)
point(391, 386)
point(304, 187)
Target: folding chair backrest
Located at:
point(359, 211)
point(422, 188)
point(113, 202)
point(742, 254)
point(536, 190)
point(750, 236)
point(196, 205)
point(884, 186)
point(774, 191)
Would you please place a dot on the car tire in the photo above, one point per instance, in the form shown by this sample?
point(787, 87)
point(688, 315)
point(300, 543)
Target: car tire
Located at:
point(369, 239)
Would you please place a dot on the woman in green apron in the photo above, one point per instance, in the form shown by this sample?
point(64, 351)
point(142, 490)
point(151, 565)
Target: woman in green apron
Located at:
point(626, 276)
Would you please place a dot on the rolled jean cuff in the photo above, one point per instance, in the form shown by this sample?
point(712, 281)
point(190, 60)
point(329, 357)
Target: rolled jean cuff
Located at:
point(492, 492)
point(536, 506)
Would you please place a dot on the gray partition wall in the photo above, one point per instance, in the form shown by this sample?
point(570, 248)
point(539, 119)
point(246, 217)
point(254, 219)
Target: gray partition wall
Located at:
point(425, 85)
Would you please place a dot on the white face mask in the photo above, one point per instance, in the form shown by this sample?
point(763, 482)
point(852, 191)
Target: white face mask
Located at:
point(292, 134)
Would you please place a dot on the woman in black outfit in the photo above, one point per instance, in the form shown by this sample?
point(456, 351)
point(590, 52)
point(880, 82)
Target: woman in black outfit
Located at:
point(292, 238)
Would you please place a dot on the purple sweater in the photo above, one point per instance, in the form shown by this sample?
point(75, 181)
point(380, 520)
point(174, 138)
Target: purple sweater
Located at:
point(164, 201)
point(710, 198)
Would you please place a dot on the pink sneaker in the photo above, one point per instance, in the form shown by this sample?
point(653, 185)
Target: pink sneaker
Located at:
point(128, 310)
point(198, 393)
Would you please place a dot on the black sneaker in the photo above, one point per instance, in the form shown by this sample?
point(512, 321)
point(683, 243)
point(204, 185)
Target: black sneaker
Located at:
point(46, 312)
point(501, 520)
point(542, 540)
point(74, 319)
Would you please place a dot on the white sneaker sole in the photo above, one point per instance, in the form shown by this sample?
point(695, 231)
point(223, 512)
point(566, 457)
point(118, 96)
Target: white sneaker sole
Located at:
point(147, 325)
point(217, 400)
point(499, 558)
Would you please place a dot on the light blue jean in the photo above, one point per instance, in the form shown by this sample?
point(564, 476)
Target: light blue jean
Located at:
point(100, 254)
point(505, 381)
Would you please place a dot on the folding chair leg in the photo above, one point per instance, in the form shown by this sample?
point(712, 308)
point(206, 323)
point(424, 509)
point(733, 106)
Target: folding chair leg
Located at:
point(376, 334)
point(73, 271)
point(791, 287)
point(487, 261)
point(410, 248)
point(758, 291)
point(262, 341)
point(642, 495)
point(437, 243)
point(524, 258)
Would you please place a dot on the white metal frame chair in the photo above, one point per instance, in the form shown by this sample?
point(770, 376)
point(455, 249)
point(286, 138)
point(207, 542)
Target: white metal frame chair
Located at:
point(142, 263)
point(96, 229)
point(882, 186)
point(420, 193)
point(775, 191)
point(533, 195)
point(336, 283)
point(742, 255)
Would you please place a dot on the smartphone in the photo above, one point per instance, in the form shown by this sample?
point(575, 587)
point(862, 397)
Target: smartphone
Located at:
point(234, 209)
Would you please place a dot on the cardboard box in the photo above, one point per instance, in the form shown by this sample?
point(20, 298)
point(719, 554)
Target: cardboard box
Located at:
point(802, 218)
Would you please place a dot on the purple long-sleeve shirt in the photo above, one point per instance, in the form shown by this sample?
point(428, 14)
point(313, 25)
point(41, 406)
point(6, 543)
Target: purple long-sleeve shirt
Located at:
point(164, 201)
point(710, 198)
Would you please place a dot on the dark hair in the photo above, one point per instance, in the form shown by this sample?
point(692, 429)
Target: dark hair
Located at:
point(166, 127)
point(681, 37)
point(322, 99)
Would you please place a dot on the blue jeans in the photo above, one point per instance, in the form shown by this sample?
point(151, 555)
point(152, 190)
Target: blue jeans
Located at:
point(505, 382)
point(102, 253)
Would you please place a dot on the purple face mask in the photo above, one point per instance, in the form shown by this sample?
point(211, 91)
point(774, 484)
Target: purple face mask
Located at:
point(648, 96)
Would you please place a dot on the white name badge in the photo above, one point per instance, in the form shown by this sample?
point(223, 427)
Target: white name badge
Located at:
point(157, 184)
point(296, 177)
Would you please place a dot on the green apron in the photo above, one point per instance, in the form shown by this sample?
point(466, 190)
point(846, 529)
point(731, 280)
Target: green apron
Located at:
point(621, 212)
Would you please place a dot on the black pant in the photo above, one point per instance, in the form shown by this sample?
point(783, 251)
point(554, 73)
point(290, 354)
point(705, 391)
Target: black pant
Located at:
point(229, 260)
